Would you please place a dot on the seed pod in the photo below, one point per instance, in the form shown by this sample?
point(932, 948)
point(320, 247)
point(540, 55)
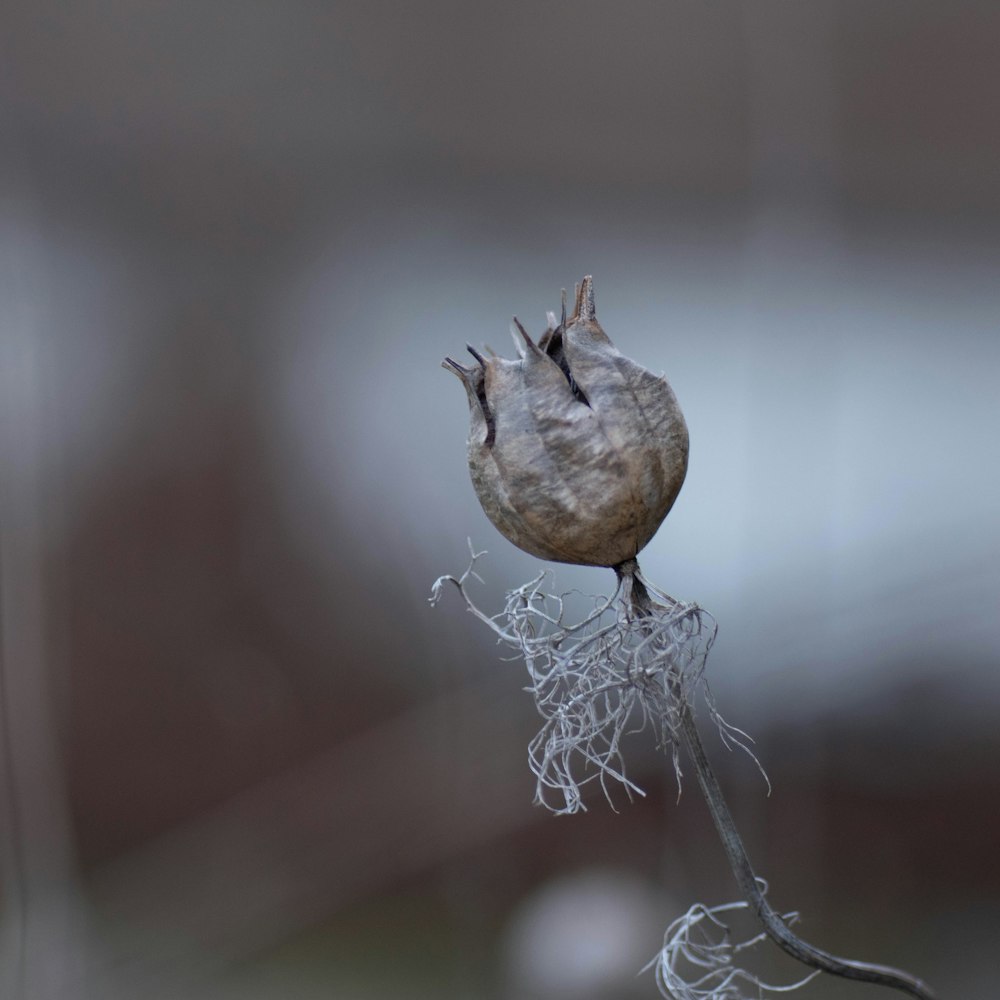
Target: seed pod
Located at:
point(576, 452)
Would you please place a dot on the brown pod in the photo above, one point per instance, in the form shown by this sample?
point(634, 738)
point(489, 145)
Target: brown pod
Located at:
point(576, 452)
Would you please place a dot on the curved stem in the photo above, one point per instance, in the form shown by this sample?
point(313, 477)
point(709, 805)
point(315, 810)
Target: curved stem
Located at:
point(776, 929)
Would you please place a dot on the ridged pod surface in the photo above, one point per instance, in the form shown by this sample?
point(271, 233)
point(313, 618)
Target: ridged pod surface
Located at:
point(576, 452)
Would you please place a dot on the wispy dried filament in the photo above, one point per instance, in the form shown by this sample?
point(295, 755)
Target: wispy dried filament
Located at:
point(600, 676)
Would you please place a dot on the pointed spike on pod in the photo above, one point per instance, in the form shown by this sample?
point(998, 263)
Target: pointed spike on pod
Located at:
point(528, 342)
point(451, 365)
point(576, 302)
point(518, 345)
point(550, 319)
point(585, 306)
point(563, 323)
point(476, 355)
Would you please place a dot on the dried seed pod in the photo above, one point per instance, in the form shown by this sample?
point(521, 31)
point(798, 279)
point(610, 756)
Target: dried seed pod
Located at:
point(576, 452)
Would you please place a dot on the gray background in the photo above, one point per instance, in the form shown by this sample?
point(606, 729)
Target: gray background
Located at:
point(243, 755)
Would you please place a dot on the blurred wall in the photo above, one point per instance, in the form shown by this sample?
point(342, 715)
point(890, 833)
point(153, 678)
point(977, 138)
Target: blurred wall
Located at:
point(242, 755)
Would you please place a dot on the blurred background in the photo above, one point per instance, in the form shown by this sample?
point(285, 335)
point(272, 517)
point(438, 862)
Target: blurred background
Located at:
point(243, 757)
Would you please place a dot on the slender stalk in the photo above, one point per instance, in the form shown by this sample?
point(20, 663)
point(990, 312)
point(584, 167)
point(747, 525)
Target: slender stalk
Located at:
point(776, 928)
point(739, 861)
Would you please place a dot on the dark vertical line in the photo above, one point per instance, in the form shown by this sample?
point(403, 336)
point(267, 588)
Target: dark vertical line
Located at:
point(18, 881)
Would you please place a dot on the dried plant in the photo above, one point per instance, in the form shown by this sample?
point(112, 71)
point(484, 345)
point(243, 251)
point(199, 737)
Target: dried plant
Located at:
point(577, 454)
point(633, 662)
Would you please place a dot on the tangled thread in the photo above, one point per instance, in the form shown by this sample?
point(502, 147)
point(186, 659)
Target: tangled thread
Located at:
point(697, 959)
point(600, 677)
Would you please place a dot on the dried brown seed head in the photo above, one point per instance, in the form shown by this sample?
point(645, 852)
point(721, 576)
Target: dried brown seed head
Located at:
point(576, 452)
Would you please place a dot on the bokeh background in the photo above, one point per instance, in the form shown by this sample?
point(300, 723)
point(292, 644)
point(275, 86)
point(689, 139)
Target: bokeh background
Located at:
point(243, 757)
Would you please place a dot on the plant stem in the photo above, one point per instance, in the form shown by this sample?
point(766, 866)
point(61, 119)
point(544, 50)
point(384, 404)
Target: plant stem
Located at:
point(776, 928)
point(751, 887)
